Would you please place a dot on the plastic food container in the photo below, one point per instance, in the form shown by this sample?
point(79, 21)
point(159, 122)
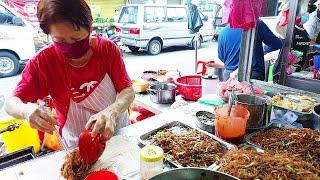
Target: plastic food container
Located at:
point(139, 86)
point(231, 128)
point(20, 138)
point(102, 174)
point(190, 87)
point(151, 161)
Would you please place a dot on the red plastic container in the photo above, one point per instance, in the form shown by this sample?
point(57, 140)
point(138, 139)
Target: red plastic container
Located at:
point(102, 174)
point(189, 87)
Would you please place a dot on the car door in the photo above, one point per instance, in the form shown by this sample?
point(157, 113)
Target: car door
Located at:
point(15, 37)
point(177, 26)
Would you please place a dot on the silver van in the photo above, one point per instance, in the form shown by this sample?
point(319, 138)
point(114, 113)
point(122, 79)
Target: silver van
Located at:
point(153, 27)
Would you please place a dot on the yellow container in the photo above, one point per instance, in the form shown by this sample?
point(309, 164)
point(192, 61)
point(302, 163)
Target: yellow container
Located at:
point(20, 138)
point(140, 86)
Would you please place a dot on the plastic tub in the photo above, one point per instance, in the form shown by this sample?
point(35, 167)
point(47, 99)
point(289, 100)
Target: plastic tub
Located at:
point(102, 174)
point(190, 87)
point(231, 128)
point(20, 138)
point(151, 161)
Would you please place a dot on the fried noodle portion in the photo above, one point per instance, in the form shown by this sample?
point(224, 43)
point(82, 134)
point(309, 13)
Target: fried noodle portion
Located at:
point(190, 149)
point(249, 165)
point(303, 143)
point(74, 168)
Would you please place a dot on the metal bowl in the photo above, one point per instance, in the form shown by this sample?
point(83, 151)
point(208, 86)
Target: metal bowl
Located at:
point(193, 174)
point(162, 93)
point(205, 121)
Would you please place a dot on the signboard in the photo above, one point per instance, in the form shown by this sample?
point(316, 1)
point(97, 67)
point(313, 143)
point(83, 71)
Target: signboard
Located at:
point(26, 8)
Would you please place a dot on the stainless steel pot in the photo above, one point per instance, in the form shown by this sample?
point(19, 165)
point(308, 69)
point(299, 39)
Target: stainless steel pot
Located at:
point(193, 174)
point(162, 93)
point(315, 117)
point(257, 106)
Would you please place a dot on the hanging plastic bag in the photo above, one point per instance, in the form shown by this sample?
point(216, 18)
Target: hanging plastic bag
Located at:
point(243, 13)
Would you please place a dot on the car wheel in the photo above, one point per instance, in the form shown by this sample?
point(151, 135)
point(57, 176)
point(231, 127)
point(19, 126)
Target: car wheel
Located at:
point(9, 64)
point(194, 43)
point(133, 49)
point(154, 47)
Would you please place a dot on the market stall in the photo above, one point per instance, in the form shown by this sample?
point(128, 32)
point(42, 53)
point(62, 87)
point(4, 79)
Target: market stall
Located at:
point(245, 129)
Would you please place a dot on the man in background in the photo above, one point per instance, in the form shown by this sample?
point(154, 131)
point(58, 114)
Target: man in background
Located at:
point(229, 50)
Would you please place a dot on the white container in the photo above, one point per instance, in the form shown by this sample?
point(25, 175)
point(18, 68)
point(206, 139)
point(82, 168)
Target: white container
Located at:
point(209, 84)
point(151, 161)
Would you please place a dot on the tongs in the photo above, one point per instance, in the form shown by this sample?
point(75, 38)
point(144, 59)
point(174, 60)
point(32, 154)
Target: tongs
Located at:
point(11, 127)
point(232, 98)
point(41, 104)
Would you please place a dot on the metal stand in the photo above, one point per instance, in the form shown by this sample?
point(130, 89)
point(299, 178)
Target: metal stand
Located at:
point(246, 55)
point(196, 50)
point(288, 41)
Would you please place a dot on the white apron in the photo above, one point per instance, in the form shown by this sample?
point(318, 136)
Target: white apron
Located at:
point(79, 113)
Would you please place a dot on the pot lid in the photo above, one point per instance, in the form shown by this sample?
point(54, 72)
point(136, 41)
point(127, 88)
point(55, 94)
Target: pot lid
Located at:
point(210, 76)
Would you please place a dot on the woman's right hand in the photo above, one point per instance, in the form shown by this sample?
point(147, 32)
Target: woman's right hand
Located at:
point(39, 118)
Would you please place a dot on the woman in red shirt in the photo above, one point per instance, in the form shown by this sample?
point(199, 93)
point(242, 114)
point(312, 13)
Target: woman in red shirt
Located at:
point(84, 75)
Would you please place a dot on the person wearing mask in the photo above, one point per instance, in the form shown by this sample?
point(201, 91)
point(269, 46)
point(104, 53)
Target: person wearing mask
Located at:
point(229, 50)
point(84, 75)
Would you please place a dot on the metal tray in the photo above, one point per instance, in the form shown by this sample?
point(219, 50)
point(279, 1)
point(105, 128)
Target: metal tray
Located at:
point(271, 126)
point(179, 127)
point(303, 117)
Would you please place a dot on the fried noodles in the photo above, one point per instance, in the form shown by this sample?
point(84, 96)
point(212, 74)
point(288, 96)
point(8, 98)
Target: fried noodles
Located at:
point(190, 149)
point(303, 143)
point(249, 165)
point(74, 167)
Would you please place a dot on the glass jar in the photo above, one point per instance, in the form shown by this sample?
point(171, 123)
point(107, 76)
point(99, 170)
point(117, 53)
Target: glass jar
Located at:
point(151, 161)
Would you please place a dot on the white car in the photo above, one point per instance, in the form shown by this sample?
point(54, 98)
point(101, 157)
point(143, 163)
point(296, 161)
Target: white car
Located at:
point(153, 27)
point(16, 41)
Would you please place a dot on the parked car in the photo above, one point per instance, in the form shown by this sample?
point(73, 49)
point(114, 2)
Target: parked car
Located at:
point(16, 41)
point(153, 27)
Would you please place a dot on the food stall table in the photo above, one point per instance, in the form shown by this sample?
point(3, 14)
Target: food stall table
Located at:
point(48, 167)
point(144, 101)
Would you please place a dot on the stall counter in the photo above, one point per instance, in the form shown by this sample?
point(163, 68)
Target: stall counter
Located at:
point(48, 167)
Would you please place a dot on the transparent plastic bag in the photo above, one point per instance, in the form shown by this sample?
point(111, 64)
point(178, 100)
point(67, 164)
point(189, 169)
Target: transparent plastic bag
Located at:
point(126, 167)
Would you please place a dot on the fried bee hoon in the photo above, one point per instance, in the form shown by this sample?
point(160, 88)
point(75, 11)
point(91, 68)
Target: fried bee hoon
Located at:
point(74, 168)
point(303, 143)
point(190, 149)
point(249, 165)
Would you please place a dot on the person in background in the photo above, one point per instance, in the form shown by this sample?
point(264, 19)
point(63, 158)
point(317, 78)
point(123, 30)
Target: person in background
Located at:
point(229, 50)
point(84, 75)
point(312, 26)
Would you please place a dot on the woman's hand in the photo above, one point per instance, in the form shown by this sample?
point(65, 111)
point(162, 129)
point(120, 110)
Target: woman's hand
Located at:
point(38, 118)
point(104, 123)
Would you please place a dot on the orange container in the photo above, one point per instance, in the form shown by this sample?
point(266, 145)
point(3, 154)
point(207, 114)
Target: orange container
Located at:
point(231, 128)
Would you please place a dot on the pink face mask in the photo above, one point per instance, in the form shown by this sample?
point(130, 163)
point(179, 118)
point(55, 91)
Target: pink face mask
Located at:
point(75, 50)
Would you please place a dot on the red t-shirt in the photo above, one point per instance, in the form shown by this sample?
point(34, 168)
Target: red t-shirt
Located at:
point(49, 73)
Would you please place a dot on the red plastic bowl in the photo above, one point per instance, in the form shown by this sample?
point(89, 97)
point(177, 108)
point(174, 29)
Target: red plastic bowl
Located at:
point(102, 174)
point(189, 87)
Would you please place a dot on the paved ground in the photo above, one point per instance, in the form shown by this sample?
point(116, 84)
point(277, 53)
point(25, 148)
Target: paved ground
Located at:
point(182, 58)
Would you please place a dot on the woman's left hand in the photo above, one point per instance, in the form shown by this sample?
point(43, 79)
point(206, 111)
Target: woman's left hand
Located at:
point(104, 123)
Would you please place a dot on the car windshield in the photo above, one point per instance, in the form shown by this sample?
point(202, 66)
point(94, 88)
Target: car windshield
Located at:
point(129, 15)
